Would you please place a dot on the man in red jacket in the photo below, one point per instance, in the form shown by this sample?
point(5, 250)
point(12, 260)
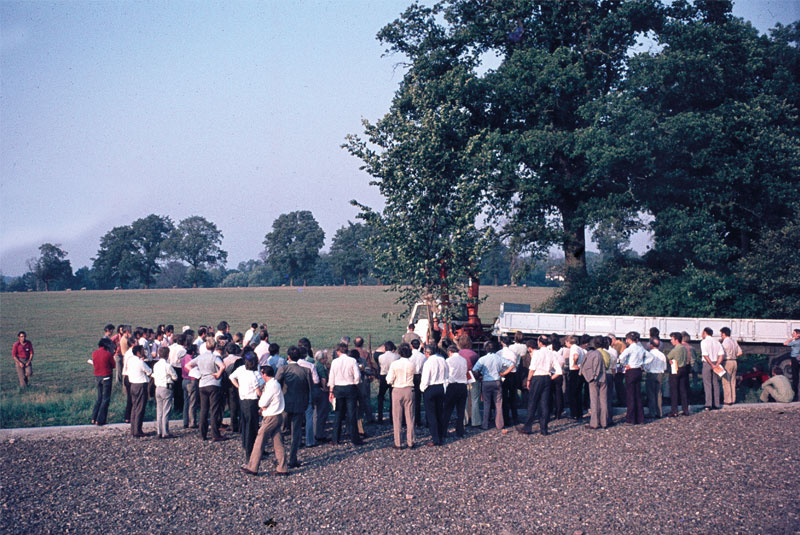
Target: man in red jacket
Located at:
point(103, 361)
point(22, 352)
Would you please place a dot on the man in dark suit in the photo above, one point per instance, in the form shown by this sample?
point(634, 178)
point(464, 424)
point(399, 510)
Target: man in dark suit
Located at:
point(296, 384)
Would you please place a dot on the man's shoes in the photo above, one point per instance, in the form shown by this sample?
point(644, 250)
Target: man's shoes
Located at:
point(247, 471)
point(523, 431)
point(544, 433)
point(221, 439)
point(295, 464)
point(322, 440)
point(282, 474)
point(673, 415)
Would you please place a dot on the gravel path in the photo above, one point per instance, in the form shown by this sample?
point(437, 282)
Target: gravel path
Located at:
point(718, 472)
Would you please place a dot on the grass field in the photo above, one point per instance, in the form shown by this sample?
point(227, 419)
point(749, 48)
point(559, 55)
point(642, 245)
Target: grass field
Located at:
point(65, 327)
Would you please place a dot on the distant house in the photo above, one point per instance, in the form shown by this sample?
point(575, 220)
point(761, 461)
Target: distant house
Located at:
point(555, 273)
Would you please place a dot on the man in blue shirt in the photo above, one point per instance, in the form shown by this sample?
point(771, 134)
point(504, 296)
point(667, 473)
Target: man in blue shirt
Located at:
point(492, 367)
point(632, 358)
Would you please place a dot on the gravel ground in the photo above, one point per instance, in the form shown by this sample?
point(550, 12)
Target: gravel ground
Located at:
point(719, 472)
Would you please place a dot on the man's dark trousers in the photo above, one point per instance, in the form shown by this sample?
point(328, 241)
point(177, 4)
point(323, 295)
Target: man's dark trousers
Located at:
point(455, 397)
point(633, 396)
point(434, 412)
point(346, 405)
point(539, 396)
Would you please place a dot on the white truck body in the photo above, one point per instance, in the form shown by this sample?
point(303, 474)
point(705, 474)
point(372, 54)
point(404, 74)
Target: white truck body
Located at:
point(514, 317)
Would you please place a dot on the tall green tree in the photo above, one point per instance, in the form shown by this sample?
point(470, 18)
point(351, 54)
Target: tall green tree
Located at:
point(426, 241)
point(51, 268)
point(722, 151)
point(292, 248)
point(117, 263)
point(197, 241)
point(556, 60)
point(516, 136)
point(350, 256)
point(149, 237)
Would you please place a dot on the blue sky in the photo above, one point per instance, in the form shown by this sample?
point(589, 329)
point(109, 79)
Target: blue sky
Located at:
point(235, 111)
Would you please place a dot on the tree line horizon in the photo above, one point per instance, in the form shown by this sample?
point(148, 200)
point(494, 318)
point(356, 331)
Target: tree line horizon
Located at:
point(153, 252)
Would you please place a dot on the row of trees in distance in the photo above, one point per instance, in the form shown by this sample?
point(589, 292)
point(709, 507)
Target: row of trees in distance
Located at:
point(153, 252)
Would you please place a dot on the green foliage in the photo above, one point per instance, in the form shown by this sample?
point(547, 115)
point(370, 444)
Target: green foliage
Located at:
point(150, 234)
point(129, 255)
point(350, 257)
point(51, 268)
point(292, 248)
point(197, 242)
point(769, 274)
point(421, 154)
point(116, 263)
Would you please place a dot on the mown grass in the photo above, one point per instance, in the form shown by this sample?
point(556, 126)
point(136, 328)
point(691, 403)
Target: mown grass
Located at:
point(65, 327)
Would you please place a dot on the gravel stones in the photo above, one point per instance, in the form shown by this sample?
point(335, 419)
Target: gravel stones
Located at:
point(720, 472)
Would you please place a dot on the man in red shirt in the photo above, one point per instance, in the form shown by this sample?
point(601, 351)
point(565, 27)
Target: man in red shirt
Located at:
point(103, 361)
point(22, 352)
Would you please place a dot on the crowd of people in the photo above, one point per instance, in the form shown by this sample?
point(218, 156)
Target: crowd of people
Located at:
point(206, 373)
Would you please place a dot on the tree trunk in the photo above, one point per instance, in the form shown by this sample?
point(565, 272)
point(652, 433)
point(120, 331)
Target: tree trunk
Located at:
point(574, 245)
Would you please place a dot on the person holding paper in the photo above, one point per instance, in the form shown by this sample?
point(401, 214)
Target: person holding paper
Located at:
point(678, 359)
point(732, 352)
point(712, 353)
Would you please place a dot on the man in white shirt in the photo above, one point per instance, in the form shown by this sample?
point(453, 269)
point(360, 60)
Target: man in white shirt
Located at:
point(384, 361)
point(139, 378)
point(542, 371)
point(164, 377)
point(176, 352)
point(712, 356)
point(655, 364)
point(417, 359)
point(401, 378)
point(455, 396)
point(211, 369)
point(272, 405)
point(575, 382)
point(248, 382)
point(248, 335)
point(732, 352)
point(434, 375)
point(343, 386)
point(200, 341)
point(262, 349)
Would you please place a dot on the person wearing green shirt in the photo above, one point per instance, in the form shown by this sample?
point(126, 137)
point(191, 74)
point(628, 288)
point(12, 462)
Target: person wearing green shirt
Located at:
point(679, 365)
